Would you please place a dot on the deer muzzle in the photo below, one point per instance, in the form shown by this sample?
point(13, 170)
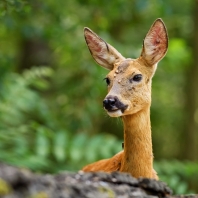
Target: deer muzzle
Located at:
point(112, 104)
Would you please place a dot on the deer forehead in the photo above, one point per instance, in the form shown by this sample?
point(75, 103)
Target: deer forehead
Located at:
point(129, 67)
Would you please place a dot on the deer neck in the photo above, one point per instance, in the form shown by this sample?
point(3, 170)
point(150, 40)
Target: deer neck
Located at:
point(138, 155)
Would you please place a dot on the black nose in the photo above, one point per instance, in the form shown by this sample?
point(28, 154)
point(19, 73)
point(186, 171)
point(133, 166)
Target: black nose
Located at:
point(110, 102)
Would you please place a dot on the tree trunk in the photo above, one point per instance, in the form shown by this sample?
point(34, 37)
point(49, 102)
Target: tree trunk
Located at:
point(34, 52)
point(190, 146)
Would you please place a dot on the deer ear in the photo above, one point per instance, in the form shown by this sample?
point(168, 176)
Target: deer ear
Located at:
point(155, 44)
point(103, 53)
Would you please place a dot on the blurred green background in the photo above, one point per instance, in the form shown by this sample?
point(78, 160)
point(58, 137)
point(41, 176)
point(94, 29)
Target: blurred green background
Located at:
point(51, 90)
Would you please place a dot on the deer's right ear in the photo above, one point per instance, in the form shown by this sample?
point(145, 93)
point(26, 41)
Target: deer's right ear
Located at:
point(103, 53)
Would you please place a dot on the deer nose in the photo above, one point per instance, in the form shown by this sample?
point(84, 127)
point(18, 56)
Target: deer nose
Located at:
point(110, 103)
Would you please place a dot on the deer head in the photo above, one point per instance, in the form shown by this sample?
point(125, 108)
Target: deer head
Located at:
point(129, 80)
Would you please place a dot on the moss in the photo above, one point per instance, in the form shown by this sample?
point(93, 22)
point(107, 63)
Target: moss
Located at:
point(40, 195)
point(5, 188)
point(107, 191)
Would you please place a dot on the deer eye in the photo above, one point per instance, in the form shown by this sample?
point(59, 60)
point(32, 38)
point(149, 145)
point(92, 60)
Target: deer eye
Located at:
point(136, 78)
point(107, 81)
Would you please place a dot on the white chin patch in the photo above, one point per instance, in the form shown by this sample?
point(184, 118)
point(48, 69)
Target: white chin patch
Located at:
point(117, 113)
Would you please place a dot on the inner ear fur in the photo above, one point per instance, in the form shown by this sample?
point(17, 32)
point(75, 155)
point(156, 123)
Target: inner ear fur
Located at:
point(155, 44)
point(103, 53)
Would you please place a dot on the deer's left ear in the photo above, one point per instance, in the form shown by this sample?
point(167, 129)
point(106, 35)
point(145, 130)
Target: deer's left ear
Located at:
point(155, 44)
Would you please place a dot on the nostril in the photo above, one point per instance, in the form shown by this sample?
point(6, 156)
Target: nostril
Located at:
point(112, 101)
point(105, 102)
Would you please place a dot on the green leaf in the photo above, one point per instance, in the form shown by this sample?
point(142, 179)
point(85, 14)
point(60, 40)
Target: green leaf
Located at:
point(78, 147)
point(93, 146)
point(42, 142)
point(60, 145)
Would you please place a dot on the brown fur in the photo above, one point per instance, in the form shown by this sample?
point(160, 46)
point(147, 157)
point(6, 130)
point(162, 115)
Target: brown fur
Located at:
point(137, 157)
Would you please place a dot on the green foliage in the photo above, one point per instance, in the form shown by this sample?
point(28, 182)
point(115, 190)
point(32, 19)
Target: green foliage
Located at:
point(30, 136)
point(51, 117)
point(10, 5)
point(182, 177)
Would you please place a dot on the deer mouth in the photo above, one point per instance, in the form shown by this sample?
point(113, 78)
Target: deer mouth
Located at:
point(115, 113)
point(113, 109)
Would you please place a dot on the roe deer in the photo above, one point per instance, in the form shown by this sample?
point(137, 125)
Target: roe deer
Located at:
point(129, 97)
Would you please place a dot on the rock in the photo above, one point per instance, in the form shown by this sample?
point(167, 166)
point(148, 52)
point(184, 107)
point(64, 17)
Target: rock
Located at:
point(22, 183)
